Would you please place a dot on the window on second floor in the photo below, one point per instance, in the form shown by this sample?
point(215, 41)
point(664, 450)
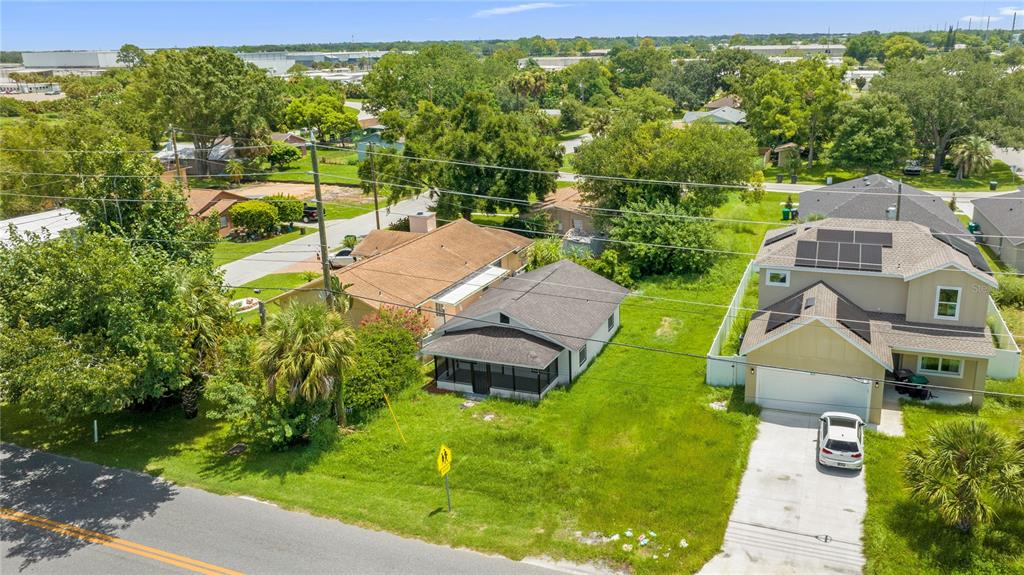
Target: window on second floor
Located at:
point(947, 302)
point(778, 278)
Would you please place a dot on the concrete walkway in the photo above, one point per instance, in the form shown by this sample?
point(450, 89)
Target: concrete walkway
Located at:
point(280, 258)
point(791, 515)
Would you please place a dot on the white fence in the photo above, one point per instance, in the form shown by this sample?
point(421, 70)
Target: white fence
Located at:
point(1006, 363)
point(728, 369)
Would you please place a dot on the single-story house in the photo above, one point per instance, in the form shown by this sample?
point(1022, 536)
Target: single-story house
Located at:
point(203, 202)
point(727, 101)
point(1000, 222)
point(727, 116)
point(877, 197)
point(292, 139)
point(572, 219)
point(379, 241)
point(845, 305)
point(439, 271)
point(530, 334)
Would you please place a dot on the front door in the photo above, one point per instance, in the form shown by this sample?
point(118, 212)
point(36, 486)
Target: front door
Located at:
point(481, 379)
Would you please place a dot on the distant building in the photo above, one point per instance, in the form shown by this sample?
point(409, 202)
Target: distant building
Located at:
point(278, 63)
point(835, 50)
point(71, 59)
point(727, 116)
point(552, 63)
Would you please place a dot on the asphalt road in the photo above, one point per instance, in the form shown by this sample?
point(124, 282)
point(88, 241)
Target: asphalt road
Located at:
point(60, 515)
point(306, 247)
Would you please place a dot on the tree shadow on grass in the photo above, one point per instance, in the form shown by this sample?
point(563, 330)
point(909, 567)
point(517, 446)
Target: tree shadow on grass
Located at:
point(259, 461)
point(989, 549)
point(90, 496)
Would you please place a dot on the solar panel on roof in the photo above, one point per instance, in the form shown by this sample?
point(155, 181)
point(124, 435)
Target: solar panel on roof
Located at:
point(871, 258)
point(787, 312)
point(806, 253)
point(849, 256)
point(835, 235)
point(828, 255)
point(848, 315)
point(786, 234)
point(883, 239)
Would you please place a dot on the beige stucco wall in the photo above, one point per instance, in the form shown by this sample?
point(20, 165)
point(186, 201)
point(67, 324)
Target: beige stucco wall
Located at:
point(815, 347)
point(921, 294)
point(513, 261)
point(872, 293)
point(973, 377)
point(564, 220)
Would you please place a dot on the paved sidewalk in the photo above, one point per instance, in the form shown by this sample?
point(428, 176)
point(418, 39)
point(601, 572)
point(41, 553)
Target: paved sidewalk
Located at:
point(793, 516)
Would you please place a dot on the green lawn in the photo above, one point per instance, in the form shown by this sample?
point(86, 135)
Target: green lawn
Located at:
point(926, 181)
point(902, 537)
point(567, 163)
point(563, 136)
point(268, 282)
point(633, 444)
point(335, 168)
point(343, 211)
point(229, 250)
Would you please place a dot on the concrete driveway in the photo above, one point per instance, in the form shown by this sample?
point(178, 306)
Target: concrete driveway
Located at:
point(791, 515)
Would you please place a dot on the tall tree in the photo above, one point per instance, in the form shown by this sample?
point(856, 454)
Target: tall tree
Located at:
point(637, 67)
point(971, 154)
point(307, 349)
point(821, 92)
point(206, 317)
point(210, 94)
point(875, 133)
point(327, 114)
point(131, 55)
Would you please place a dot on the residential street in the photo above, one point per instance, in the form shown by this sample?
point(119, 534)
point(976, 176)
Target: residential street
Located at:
point(286, 255)
point(119, 521)
point(792, 515)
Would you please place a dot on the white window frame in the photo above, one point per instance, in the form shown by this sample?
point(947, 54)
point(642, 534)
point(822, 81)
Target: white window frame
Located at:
point(959, 302)
point(768, 278)
point(583, 354)
point(940, 373)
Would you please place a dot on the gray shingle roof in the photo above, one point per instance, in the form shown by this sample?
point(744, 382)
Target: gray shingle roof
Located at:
point(880, 192)
point(1006, 213)
point(495, 344)
point(563, 301)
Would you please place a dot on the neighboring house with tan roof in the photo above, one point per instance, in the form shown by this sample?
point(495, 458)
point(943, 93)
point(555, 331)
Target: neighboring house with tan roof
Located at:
point(861, 300)
point(1001, 226)
point(204, 202)
point(536, 331)
point(566, 210)
point(439, 271)
point(728, 101)
point(379, 241)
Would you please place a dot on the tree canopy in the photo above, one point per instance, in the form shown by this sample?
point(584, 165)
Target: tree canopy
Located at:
point(875, 134)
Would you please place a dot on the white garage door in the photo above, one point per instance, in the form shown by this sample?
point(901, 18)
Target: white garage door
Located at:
point(811, 393)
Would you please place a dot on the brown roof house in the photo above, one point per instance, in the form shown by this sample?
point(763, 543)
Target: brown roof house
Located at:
point(1000, 222)
point(728, 101)
point(439, 271)
point(534, 332)
point(203, 202)
point(845, 305)
point(572, 218)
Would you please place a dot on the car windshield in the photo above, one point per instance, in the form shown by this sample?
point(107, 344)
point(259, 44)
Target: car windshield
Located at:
point(843, 422)
point(836, 445)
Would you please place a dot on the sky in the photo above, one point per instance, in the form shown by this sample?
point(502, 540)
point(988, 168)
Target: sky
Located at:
point(47, 25)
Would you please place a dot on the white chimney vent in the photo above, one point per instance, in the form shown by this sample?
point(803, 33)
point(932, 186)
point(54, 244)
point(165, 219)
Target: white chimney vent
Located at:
point(422, 222)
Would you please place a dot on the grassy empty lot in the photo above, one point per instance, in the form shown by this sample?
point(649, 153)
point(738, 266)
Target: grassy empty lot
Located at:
point(926, 181)
point(228, 251)
point(268, 282)
point(337, 167)
point(342, 211)
point(633, 444)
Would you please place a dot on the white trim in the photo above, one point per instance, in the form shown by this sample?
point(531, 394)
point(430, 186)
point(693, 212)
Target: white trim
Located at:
point(959, 302)
point(971, 272)
point(768, 277)
point(958, 375)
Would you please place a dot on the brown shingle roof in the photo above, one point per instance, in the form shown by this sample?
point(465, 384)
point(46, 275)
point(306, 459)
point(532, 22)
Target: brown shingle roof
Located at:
point(565, 198)
point(412, 272)
point(202, 200)
point(495, 344)
point(379, 241)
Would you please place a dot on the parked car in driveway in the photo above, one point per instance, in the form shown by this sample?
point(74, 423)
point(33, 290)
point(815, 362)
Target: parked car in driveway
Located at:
point(341, 259)
point(912, 168)
point(841, 440)
point(309, 213)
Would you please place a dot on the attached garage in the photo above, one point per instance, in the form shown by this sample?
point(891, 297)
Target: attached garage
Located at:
point(812, 393)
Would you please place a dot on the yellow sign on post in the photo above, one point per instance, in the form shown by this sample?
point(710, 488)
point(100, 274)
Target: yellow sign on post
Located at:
point(444, 460)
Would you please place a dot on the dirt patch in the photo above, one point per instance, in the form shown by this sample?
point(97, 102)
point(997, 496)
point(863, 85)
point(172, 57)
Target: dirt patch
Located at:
point(348, 195)
point(668, 328)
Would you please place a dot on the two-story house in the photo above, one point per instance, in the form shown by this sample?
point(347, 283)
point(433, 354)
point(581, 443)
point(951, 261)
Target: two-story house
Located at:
point(845, 304)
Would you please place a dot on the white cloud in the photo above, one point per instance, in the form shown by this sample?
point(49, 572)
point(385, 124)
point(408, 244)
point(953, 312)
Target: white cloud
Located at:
point(502, 11)
point(980, 18)
point(1009, 10)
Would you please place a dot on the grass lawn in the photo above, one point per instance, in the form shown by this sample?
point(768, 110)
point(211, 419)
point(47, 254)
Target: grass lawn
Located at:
point(343, 211)
point(634, 444)
point(903, 537)
point(731, 346)
point(334, 169)
point(228, 250)
point(283, 280)
point(926, 181)
point(573, 134)
point(567, 163)
point(565, 184)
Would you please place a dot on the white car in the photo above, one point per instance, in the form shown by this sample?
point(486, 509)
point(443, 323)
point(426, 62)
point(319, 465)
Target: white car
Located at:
point(341, 259)
point(841, 440)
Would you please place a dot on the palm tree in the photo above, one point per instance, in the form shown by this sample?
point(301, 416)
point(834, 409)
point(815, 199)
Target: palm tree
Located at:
point(235, 170)
point(307, 348)
point(964, 470)
point(971, 154)
point(206, 315)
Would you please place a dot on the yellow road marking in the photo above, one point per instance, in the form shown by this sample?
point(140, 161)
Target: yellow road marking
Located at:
point(70, 530)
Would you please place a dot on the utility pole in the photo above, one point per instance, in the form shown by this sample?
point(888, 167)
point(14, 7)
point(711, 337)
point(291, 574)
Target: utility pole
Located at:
point(324, 256)
point(177, 160)
point(899, 197)
point(373, 177)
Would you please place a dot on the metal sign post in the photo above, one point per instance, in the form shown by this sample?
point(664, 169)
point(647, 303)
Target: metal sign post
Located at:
point(448, 491)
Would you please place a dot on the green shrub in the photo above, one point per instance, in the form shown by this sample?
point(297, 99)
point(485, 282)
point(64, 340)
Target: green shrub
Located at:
point(289, 209)
point(666, 243)
point(1010, 292)
point(240, 397)
point(282, 155)
point(531, 225)
point(9, 108)
point(254, 216)
point(385, 362)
